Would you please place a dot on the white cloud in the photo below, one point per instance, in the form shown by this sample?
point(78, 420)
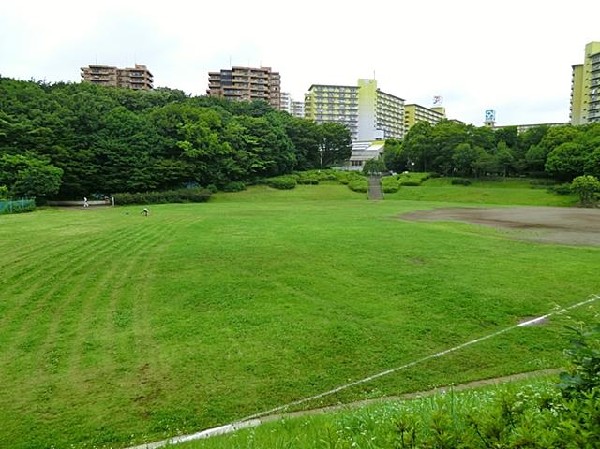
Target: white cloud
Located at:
point(512, 56)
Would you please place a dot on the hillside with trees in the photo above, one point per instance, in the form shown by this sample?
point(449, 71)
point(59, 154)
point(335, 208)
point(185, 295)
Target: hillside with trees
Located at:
point(67, 140)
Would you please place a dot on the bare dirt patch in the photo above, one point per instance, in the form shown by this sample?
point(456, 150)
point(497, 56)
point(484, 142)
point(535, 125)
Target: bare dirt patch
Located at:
point(570, 226)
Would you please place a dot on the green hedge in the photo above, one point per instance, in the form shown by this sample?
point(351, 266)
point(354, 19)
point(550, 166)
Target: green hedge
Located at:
point(359, 185)
point(561, 189)
point(234, 186)
point(389, 184)
point(195, 195)
point(282, 182)
point(460, 182)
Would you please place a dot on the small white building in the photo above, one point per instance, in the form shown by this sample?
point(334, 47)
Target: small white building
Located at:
point(363, 151)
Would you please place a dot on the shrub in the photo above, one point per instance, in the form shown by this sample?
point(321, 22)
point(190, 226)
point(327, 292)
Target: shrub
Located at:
point(561, 189)
point(389, 184)
point(410, 182)
point(358, 185)
point(461, 182)
point(282, 182)
point(234, 186)
point(194, 195)
point(583, 375)
point(345, 177)
point(586, 187)
point(316, 175)
point(306, 180)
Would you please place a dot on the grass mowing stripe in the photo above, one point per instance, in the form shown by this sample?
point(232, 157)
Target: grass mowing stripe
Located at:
point(35, 277)
point(68, 319)
point(32, 275)
point(252, 303)
point(86, 261)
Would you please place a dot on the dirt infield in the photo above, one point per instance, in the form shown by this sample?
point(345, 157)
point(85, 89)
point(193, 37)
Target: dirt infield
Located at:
point(570, 226)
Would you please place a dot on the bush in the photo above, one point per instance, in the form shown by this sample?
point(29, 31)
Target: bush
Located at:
point(561, 189)
point(316, 176)
point(409, 182)
point(345, 177)
point(234, 186)
point(461, 182)
point(311, 181)
point(414, 178)
point(586, 187)
point(583, 376)
point(194, 195)
point(282, 182)
point(389, 184)
point(358, 185)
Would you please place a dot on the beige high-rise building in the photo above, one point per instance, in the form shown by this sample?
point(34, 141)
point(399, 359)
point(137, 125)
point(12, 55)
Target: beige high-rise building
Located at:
point(246, 84)
point(585, 87)
point(138, 77)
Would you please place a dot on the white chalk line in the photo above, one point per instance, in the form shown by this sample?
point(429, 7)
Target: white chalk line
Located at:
point(254, 420)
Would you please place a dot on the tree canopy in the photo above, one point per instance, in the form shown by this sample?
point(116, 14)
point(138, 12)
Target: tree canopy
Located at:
point(455, 149)
point(68, 140)
point(77, 139)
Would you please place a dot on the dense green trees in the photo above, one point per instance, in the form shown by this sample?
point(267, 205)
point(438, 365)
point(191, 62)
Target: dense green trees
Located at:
point(26, 175)
point(89, 139)
point(452, 148)
point(77, 139)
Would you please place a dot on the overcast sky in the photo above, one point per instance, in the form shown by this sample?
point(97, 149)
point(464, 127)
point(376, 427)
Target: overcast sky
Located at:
point(511, 56)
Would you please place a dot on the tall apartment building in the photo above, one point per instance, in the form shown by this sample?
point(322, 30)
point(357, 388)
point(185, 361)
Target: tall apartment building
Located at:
point(414, 113)
point(338, 104)
point(285, 102)
point(246, 84)
point(368, 112)
point(294, 107)
point(585, 87)
point(138, 77)
point(297, 108)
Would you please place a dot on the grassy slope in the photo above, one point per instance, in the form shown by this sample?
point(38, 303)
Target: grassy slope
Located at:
point(377, 425)
point(502, 191)
point(116, 328)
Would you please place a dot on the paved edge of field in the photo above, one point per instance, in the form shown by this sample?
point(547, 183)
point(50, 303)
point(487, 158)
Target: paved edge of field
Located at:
point(229, 428)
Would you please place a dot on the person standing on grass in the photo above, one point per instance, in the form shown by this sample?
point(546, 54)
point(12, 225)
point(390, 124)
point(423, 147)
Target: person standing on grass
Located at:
point(145, 212)
point(85, 202)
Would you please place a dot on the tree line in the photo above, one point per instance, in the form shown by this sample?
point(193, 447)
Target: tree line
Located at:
point(68, 140)
point(451, 148)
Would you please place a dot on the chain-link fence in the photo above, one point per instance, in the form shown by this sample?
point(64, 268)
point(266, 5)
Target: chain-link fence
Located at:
point(17, 206)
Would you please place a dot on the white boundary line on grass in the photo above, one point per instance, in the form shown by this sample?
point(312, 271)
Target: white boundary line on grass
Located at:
point(254, 420)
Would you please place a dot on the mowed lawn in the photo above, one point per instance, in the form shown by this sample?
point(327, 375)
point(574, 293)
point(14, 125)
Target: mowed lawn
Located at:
point(118, 329)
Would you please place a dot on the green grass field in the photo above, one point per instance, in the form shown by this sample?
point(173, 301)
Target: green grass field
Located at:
point(501, 191)
point(118, 329)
